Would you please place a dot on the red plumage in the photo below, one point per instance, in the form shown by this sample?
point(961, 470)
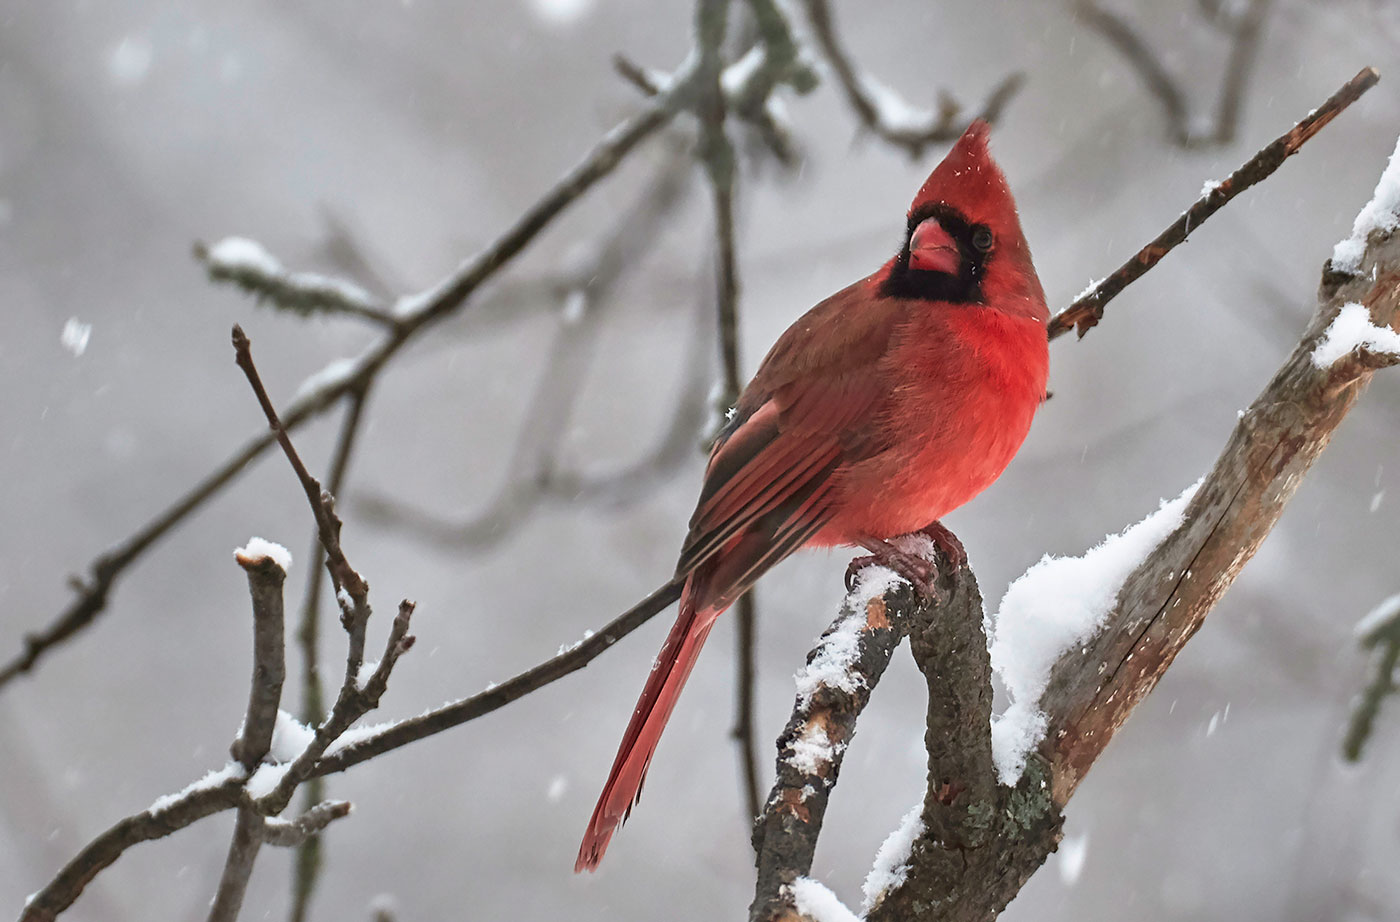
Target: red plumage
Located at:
point(882, 409)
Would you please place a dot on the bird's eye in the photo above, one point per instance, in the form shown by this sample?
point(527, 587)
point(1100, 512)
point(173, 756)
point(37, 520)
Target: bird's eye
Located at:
point(982, 239)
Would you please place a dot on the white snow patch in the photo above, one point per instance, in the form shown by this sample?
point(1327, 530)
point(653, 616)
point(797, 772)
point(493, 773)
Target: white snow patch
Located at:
point(816, 902)
point(366, 672)
point(560, 12)
point(1209, 186)
point(558, 786)
point(266, 779)
point(1378, 617)
point(75, 335)
point(239, 254)
point(1088, 289)
point(1055, 606)
point(812, 750)
point(290, 737)
point(333, 375)
point(891, 109)
point(892, 860)
point(1072, 852)
point(211, 780)
point(1350, 330)
point(1382, 213)
point(261, 547)
point(130, 61)
point(571, 647)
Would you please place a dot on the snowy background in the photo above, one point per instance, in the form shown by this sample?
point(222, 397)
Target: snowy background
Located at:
point(129, 130)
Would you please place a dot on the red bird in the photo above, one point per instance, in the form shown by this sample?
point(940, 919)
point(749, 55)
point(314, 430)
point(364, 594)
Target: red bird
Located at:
point(884, 408)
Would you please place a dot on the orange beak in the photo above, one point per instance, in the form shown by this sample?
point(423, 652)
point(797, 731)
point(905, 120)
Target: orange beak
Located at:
point(932, 249)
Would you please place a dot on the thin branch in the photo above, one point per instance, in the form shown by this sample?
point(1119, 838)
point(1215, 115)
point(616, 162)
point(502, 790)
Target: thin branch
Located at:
point(534, 472)
point(165, 817)
point(745, 703)
point(1087, 309)
point(246, 264)
point(265, 579)
point(296, 833)
point(1243, 31)
point(883, 113)
point(1380, 634)
point(416, 314)
point(383, 739)
point(308, 858)
point(238, 868)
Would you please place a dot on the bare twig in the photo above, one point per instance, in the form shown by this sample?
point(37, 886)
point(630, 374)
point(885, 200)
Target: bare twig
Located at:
point(1380, 633)
point(265, 579)
point(247, 265)
point(296, 833)
point(534, 473)
point(1243, 31)
point(401, 733)
point(238, 868)
point(886, 116)
point(745, 702)
point(166, 816)
point(1087, 309)
point(414, 314)
point(308, 858)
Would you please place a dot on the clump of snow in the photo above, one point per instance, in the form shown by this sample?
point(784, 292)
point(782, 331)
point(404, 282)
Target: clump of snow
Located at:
point(366, 672)
point(75, 335)
point(571, 647)
point(1088, 289)
point(814, 901)
point(1378, 618)
point(1350, 330)
point(211, 780)
point(1072, 852)
point(892, 860)
point(266, 779)
point(333, 375)
point(1056, 605)
point(831, 666)
point(1382, 213)
point(892, 111)
point(239, 254)
point(1209, 186)
point(812, 750)
point(290, 737)
point(560, 12)
point(260, 547)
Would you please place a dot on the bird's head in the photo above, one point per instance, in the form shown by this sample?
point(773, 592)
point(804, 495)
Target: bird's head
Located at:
point(963, 242)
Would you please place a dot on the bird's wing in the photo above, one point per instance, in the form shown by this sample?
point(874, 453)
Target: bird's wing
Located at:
point(814, 405)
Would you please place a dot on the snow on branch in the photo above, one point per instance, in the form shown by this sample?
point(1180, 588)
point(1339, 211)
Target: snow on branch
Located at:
point(1380, 214)
point(1054, 607)
point(248, 265)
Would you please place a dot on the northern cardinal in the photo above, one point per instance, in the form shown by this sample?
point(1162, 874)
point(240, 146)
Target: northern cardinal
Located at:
point(883, 408)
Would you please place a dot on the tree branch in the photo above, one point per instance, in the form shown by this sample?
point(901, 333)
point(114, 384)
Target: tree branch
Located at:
point(883, 113)
point(1380, 633)
point(1087, 309)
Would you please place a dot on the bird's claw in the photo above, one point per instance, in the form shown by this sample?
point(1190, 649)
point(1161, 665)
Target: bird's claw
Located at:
point(920, 573)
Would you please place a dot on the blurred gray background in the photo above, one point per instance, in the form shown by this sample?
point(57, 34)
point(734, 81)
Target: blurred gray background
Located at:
point(420, 129)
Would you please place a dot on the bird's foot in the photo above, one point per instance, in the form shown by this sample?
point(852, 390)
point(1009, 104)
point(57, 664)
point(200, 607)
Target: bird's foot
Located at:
point(922, 574)
point(947, 543)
